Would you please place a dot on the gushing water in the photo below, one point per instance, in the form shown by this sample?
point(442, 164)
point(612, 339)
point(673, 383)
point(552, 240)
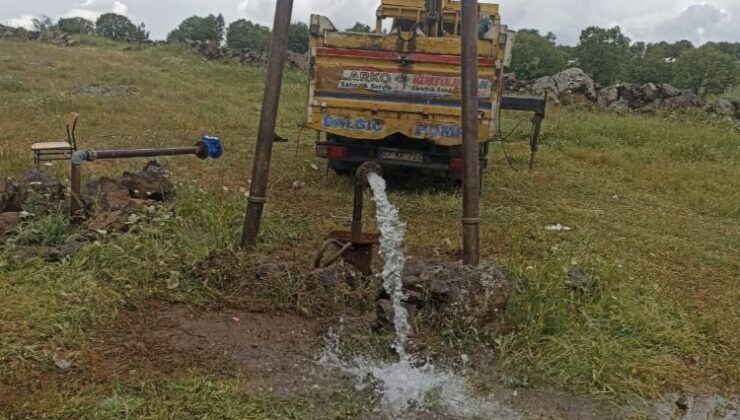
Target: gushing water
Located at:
point(403, 384)
point(392, 232)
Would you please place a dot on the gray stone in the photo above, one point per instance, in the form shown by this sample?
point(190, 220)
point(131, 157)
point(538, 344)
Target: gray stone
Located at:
point(668, 91)
point(11, 196)
point(686, 100)
point(650, 92)
point(151, 183)
point(9, 222)
point(46, 186)
point(621, 106)
point(723, 107)
point(582, 282)
point(575, 80)
point(607, 96)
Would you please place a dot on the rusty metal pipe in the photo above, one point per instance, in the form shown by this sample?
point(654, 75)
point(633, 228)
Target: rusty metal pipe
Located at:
point(270, 102)
point(207, 147)
point(76, 212)
point(471, 162)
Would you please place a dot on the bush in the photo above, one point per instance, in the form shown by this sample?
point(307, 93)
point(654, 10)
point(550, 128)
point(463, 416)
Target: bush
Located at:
point(706, 71)
point(76, 26)
point(245, 34)
point(119, 28)
point(196, 28)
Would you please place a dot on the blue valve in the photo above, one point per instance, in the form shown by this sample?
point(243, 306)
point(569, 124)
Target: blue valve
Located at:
point(215, 150)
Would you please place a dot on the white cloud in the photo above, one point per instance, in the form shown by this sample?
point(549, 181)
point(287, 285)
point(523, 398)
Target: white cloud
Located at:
point(642, 20)
point(23, 21)
point(92, 9)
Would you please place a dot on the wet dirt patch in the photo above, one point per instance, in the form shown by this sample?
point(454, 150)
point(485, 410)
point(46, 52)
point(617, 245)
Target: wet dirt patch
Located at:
point(275, 351)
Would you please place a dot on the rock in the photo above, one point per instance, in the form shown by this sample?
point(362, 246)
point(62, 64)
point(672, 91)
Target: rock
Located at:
point(450, 292)
point(723, 107)
point(300, 61)
point(66, 250)
point(546, 86)
point(575, 80)
point(9, 221)
point(668, 91)
point(41, 186)
point(151, 183)
point(582, 283)
point(632, 94)
point(653, 107)
point(106, 194)
point(95, 89)
point(607, 96)
point(11, 196)
point(686, 100)
point(106, 222)
point(621, 106)
point(650, 92)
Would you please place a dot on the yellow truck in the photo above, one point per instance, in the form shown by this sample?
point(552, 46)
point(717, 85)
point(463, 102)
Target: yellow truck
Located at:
point(394, 96)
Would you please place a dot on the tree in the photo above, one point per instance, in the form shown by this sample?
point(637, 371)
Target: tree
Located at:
point(119, 28)
point(604, 53)
point(42, 23)
point(298, 37)
point(706, 71)
point(535, 56)
point(729, 48)
point(197, 28)
point(245, 34)
point(651, 65)
point(76, 26)
point(359, 27)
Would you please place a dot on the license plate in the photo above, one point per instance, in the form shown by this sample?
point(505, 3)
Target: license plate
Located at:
point(402, 156)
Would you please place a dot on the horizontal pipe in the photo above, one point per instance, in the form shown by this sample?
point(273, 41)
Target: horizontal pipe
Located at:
point(134, 153)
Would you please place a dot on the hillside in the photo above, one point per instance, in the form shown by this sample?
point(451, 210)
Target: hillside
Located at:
point(652, 203)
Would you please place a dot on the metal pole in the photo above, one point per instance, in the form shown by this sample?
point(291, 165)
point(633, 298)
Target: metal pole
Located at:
point(76, 213)
point(471, 162)
point(270, 101)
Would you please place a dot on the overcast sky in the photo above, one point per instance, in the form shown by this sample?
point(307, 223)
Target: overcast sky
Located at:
point(642, 20)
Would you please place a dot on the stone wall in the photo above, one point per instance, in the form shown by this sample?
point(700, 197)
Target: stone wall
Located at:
point(573, 86)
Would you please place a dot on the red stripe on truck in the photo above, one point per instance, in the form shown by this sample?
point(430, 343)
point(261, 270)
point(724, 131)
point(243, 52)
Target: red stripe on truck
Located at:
point(389, 55)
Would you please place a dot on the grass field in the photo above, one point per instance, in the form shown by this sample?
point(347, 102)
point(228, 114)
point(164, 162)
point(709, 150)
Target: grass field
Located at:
point(654, 204)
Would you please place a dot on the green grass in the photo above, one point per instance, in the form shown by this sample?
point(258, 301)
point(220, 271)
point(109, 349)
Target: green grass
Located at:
point(652, 203)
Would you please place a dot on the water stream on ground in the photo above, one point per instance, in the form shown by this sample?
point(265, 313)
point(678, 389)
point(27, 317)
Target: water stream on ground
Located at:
point(406, 384)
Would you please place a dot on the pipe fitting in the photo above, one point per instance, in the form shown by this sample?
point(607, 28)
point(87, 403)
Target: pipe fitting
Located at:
point(81, 156)
point(364, 171)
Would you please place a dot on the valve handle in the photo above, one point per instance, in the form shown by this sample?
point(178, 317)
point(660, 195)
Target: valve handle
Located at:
point(210, 148)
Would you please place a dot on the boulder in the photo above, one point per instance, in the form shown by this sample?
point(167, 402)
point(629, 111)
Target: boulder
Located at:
point(621, 106)
point(546, 86)
point(668, 91)
point(9, 221)
point(106, 194)
point(650, 92)
point(686, 100)
point(652, 107)
point(575, 80)
point(568, 85)
point(11, 196)
point(150, 183)
point(722, 107)
point(43, 185)
point(451, 293)
point(607, 96)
